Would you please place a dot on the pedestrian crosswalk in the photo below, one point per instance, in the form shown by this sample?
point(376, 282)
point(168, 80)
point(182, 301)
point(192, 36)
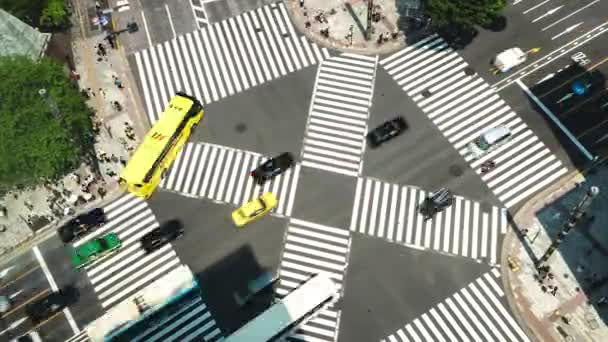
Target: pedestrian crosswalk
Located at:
point(80, 337)
point(122, 274)
point(477, 312)
point(222, 174)
point(199, 13)
point(467, 228)
point(462, 105)
point(224, 58)
point(309, 249)
point(337, 124)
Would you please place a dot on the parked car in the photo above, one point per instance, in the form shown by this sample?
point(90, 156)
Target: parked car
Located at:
point(94, 249)
point(272, 168)
point(82, 224)
point(162, 235)
point(489, 140)
point(255, 209)
point(47, 306)
point(386, 131)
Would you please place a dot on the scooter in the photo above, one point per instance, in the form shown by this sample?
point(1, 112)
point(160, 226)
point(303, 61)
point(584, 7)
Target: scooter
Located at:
point(487, 166)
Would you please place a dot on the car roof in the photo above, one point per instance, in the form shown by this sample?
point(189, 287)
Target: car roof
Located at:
point(496, 133)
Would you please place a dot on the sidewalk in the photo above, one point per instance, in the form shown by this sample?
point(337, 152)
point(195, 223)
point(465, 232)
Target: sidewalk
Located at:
point(36, 212)
point(342, 24)
point(568, 303)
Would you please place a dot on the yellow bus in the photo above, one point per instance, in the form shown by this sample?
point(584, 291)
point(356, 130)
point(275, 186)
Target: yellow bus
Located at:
point(160, 146)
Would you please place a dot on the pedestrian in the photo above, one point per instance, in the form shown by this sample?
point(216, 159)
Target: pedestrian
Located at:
point(114, 158)
point(90, 92)
point(118, 83)
point(97, 5)
point(103, 92)
point(123, 161)
point(301, 3)
point(101, 192)
point(554, 291)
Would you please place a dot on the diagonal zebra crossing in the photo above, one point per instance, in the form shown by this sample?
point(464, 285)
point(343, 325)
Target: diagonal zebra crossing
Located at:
point(335, 134)
point(222, 174)
point(122, 274)
point(309, 249)
point(224, 58)
point(462, 105)
point(477, 312)
point(389, 211)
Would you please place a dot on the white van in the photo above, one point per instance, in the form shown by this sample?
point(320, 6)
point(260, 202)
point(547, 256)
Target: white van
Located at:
point(489, 140)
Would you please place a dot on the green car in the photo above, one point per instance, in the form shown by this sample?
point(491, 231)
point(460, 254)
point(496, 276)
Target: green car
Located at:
point(94, 249)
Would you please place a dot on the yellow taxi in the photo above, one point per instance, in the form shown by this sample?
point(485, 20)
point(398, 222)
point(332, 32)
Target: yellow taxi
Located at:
point(255, 209)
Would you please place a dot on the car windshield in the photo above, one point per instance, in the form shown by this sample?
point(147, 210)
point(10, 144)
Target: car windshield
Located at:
point(103, 244)
point(482, 143)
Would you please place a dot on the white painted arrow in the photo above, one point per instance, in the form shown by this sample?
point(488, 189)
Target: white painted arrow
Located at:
point(549, 12)
point(15, 294)
point(546, 78)
point(13, 325)
point(5, 271)
point(568, 30)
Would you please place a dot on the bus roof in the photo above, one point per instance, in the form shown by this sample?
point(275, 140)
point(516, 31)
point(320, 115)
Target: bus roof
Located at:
point(150, 148)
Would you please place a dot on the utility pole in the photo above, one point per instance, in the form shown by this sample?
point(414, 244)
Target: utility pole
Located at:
point(370, 10)
point(575, 215)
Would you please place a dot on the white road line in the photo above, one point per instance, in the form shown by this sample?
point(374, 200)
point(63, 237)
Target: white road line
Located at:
point(49, 277)
point(569, 15)
point(170, 21)
point(143, 17)
point(554, 119)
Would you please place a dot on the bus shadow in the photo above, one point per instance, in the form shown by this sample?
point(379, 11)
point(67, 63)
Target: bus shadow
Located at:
point(220, 282)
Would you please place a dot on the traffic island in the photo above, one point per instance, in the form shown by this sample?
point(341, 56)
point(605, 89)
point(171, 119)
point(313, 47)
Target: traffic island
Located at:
point(361, 26)
point(553, 266)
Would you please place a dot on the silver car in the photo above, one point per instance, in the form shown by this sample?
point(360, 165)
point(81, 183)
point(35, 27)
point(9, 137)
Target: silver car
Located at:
point(489, 140)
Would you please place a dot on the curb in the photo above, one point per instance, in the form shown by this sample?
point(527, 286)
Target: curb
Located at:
point(517, 219)
point(293, 10)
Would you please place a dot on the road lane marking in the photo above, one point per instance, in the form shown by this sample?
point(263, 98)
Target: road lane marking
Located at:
point(569, 15)
point(25, 303)
point(549, 12)
point(143, 17)
point(19, 277)
point(554, 119)
point(542, 62)
point(568, 30)
point(170, 21)
point(535, 7)
point(49, 277)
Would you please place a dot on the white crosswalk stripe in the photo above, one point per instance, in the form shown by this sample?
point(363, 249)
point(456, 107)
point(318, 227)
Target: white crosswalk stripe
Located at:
point(467, 228)
point(462, 106)
point(309, 249)
point(477, 312)
point(122, 274)
point(80, 337)
point(220, 59)
point(223, 174)
point(337, 122)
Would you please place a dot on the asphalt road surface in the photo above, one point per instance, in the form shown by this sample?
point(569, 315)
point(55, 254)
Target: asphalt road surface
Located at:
point(344, 209)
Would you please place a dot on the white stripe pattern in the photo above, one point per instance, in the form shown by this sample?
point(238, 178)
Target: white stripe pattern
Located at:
point(219, 60)
point(337, 121)
point(460, 317)
point(222, 174)
point(462, 106)
point(122, 274)
point(309, 249)
point(467, 228)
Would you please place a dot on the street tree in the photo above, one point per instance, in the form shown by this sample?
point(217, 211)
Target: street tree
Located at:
point(41, 137)
point(464, 15)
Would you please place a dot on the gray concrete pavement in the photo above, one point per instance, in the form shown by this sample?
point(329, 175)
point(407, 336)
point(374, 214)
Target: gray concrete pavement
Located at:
point(567, 303)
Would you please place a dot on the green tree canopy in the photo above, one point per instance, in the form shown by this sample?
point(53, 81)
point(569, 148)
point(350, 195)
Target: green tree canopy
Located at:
point(464, 14)
point(41, 138)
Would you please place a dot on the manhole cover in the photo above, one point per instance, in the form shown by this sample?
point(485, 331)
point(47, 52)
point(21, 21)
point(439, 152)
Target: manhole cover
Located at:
point(241, 127)
point(456, 171)
point(469, 71)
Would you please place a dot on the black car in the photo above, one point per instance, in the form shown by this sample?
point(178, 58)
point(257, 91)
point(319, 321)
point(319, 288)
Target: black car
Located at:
point(386, 131)
point(162, 235)
point(52, 303)
point(79, 226)
point(272, 168)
